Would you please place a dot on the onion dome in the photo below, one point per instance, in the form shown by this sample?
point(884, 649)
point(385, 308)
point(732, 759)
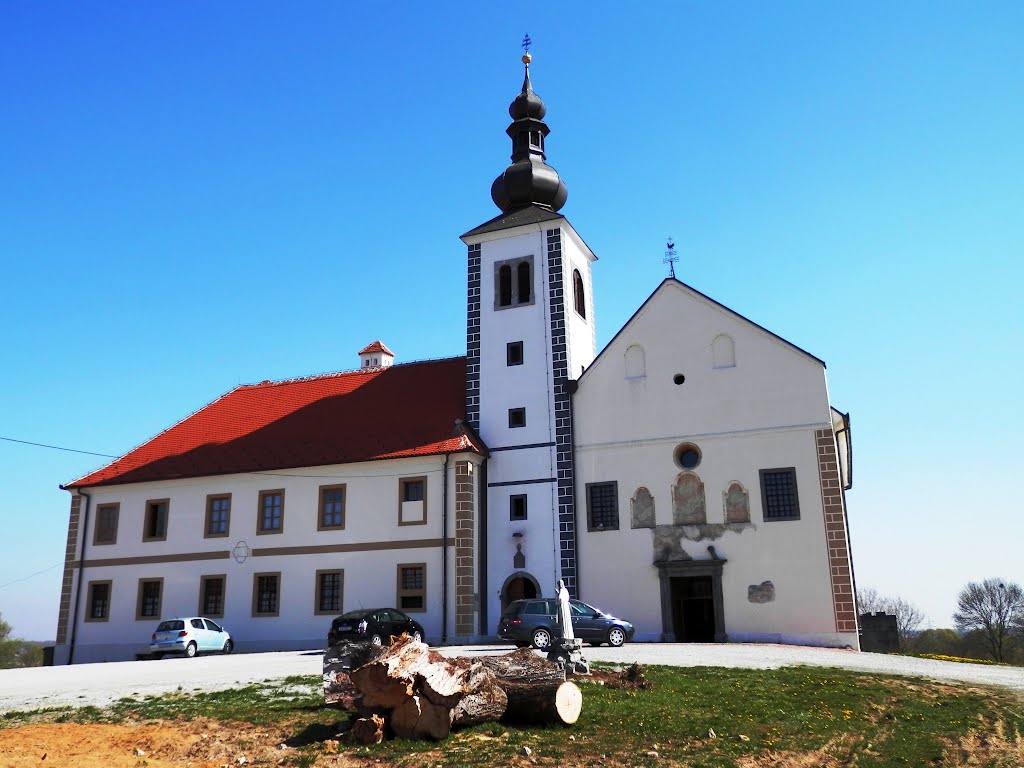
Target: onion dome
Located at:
point(529, 180)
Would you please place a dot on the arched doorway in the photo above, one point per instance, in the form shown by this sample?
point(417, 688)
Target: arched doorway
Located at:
point(518, 586)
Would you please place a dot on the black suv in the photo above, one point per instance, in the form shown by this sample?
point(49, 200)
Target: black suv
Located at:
point(535, 622)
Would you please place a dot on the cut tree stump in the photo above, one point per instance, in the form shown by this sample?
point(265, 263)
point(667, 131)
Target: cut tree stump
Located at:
point(418, 718)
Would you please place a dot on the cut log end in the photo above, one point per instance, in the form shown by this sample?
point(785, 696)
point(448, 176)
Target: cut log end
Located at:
point(568, 702)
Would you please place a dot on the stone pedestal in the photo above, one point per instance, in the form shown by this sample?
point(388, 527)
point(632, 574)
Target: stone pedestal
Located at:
point(568, 654)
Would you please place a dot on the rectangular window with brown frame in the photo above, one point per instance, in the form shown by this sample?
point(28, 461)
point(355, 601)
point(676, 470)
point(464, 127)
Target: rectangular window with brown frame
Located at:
point(98, 600)
point(106, 524)
point(331, 516)
point(148, 605)
point(412, 501)
point(271, 512)
point(412, 587)
point(218, 515)
point(211, 595)
point(266, 594)
point(155, 523)
point(330, 589)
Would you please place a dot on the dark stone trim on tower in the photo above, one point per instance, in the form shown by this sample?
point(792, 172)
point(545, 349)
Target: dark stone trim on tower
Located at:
point(563, 414)
point(473, 339)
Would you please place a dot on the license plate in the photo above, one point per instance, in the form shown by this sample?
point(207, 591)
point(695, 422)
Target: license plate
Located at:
point(344, 627)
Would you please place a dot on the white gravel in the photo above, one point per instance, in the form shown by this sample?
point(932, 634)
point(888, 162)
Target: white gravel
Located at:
point(102, 684)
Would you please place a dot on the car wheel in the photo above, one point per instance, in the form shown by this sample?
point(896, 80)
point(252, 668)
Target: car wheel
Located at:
point(377, 640)
point(541, 639)
point(616, 637)
point(228, 647)
point(417, 636)
point(190, 650)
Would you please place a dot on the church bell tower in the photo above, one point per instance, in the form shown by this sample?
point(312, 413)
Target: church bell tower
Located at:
point(529, 336)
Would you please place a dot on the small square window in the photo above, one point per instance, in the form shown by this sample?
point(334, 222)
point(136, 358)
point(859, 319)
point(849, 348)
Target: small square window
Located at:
point(779, 495)
point(106, 524)
point(266, 593)
point(218, 515)
point(412, 587)
point(332, 507)
point(412, 501)
point(271, 512)
point(155, 524)
point(517, 507)
point(148, 606)
point(211, 595)
point(602, 506)
point(516, 417)
point(329, 591)
point(514, 353)
point(99, 601)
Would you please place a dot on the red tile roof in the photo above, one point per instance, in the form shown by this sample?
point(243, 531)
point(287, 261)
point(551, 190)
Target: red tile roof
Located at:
point(376, 346)
point(379, 413)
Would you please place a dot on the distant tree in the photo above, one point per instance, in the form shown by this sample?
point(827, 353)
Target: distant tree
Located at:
point(17, 653)
point(908, 616)
point(943, 642)
point(995, 609)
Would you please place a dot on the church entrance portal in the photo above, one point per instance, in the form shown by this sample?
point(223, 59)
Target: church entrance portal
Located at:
point(518, 586)
point(693, 609)
point(691, 601)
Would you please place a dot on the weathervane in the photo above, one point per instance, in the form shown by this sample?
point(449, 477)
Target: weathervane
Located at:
point(670, 257)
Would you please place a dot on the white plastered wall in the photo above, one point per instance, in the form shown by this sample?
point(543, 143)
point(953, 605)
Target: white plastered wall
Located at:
point(759, 414)
point(370, 574)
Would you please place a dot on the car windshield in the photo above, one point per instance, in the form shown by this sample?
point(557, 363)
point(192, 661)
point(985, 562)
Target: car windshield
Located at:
point(171, 626)
point(362, 613)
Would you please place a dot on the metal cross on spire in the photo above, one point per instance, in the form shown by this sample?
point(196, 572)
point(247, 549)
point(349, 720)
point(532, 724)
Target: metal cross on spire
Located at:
point(670, 257)
point(527, 42)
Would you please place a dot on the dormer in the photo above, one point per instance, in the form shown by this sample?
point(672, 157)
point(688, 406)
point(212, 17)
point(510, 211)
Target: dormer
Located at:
point(376, 355)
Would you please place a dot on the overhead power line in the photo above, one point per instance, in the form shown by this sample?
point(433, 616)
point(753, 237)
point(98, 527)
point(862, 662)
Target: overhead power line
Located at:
point(30, 576)
point(58, 447)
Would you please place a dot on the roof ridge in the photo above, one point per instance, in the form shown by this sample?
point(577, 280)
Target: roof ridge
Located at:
point(349, 372)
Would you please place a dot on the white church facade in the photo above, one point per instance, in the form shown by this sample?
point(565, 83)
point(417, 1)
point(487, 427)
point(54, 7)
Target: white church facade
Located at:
point(693, 483)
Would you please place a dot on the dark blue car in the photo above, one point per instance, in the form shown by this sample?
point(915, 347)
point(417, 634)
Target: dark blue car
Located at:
point(535, 622)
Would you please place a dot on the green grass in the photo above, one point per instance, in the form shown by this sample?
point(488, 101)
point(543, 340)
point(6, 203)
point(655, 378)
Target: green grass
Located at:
point(831, 716)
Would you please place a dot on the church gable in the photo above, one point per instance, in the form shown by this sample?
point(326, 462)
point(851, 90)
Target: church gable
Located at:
point(686, 360)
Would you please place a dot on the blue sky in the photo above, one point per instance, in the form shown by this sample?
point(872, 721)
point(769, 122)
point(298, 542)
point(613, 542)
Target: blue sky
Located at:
point(197, 196)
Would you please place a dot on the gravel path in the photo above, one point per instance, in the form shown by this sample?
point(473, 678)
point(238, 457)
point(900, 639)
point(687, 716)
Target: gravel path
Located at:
point(101, 684)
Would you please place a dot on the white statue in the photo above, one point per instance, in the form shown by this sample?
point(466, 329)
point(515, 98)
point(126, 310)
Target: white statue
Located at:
point(564, 612)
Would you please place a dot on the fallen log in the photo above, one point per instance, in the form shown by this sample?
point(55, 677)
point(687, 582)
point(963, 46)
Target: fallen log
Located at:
point(419, 718)
point(339, 661)
point(485, 700)
point(543, 703)
point(367, 730)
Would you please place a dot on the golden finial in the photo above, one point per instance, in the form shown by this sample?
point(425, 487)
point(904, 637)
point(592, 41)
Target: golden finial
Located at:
point(527, 58)
point(527, 42)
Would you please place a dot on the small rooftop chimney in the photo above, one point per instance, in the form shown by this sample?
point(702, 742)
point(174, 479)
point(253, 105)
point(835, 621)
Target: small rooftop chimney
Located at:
point(376, 355)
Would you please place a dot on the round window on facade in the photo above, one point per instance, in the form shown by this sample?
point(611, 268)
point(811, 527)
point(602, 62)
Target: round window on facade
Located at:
point(687, 456)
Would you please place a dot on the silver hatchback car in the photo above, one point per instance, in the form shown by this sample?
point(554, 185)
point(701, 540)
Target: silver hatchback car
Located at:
point(190, 636)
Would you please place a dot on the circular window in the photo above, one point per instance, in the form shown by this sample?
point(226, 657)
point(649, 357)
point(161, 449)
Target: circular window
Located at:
point(687, 456)
point(679, 378)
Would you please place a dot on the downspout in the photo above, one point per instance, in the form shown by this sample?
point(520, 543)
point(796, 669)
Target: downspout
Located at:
point(571, 385)
point(484, 596)
point(444, 551)
point(83, 529)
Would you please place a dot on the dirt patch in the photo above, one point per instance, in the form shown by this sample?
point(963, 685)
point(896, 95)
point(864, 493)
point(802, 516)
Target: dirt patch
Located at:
point(195, 743)
point(992, 744)
point(629, 679)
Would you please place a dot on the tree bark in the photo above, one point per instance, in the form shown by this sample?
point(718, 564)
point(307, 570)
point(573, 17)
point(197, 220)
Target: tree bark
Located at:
point(367, 730)
point(485, 700)
point(543, 702)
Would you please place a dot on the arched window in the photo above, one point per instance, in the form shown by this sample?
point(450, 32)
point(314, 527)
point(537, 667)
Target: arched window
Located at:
point(737, 504)
point(525, 282)
point(688, 500)
point(635, 365)
point(642, 509)
point(723, 352)
point(505, 286)
point(578, 297)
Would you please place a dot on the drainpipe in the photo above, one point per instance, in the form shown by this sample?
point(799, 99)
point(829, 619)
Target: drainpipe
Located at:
point(82, 530)
point(444, 551)
point(571, 385)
